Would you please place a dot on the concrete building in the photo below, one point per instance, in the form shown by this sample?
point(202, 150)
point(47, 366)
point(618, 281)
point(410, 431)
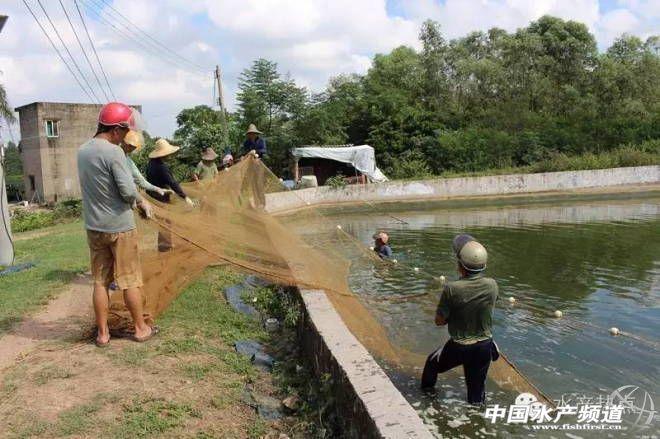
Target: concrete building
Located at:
point(51, 133)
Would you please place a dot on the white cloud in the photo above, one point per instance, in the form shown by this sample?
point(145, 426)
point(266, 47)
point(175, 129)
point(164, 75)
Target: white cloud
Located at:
point(616, 22)
point(310, 39)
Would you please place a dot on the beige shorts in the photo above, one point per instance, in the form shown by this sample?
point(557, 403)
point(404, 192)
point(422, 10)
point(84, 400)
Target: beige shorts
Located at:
point(115, 257)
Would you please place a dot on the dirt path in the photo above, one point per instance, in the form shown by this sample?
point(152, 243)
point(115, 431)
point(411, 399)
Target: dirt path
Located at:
point(66, 319)
point(187, 382)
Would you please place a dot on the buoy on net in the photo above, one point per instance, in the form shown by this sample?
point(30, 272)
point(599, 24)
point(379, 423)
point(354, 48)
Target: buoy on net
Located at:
point(338, 227)
point(512, 300)
point(558, 314)
point(394, 261)
point(371, 248)
point(442, 278)
point(614, 331)
point(416, 269)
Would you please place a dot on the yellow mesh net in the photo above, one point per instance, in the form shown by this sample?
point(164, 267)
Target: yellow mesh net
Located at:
point(230, 226)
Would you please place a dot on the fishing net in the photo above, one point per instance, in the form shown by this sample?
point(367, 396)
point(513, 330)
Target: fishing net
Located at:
point(230, 225)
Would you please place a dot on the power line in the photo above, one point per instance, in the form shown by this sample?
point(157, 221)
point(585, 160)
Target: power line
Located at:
point(59, 54)
point(98, 60)
point(158, 43)
point(68, 51)
point(91, 67)
point(128, 33)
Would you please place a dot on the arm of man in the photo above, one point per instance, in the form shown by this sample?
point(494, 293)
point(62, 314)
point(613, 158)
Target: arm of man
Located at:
point(139, 179)
point(122, 176)
point(442, 312)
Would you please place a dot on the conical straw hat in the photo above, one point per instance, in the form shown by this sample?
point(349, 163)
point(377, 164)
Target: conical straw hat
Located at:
point(163, 148)
point(253, 129)
point(209, 154)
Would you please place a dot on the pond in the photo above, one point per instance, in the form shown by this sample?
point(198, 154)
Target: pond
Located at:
point(596, 261)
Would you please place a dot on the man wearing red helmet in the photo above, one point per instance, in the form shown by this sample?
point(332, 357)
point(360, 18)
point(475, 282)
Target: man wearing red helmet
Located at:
point(108, 195)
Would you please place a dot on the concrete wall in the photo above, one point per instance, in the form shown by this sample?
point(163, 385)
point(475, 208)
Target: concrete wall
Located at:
point(53, 160)
point(31, 152)
point(368, 403)
point(463, 187)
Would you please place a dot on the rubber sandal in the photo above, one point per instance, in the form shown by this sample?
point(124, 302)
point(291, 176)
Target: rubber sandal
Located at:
point(154, 330)
point(101, 345)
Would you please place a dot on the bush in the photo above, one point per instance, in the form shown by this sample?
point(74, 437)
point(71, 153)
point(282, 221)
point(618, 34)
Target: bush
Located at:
point(24, 220)
point(336, 182)
point(68, 209)
point(621, 157)
point(412, 164)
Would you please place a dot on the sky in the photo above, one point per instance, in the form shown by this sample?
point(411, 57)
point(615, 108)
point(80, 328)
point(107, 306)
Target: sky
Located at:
point(312, 40)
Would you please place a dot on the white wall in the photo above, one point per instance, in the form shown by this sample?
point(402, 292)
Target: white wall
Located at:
point(464, 187)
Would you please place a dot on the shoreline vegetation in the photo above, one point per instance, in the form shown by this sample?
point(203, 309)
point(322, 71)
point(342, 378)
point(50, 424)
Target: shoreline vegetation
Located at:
point(648, 153)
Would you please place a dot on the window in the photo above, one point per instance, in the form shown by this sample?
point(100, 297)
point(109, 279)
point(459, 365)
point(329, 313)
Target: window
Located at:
point(33, 186)
point(52, 129)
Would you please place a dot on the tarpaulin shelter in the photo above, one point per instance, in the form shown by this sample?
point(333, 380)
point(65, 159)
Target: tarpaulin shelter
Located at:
point(360, 160)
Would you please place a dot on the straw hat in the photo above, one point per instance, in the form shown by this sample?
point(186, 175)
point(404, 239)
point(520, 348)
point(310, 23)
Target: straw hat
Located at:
point(163, 148)
point(135, 139)
point(253, 129)
point(209, 154)
point(382, 236)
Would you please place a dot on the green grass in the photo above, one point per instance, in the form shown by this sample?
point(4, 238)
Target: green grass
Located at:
point(147, 417)
point(58, 256)
point(77, 420)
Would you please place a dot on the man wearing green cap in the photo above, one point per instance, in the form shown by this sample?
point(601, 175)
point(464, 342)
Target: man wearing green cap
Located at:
point(466, 305)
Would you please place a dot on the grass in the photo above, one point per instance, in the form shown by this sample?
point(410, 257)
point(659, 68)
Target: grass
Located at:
point(624, 156)
point(193, 351)
point(59, 256)
point(51, 372)
point(147, 417)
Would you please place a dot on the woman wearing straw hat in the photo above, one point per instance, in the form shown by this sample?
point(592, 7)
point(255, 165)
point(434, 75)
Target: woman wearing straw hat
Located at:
point(159, 174)
point(133, 141)
point(206, 168)
point(254, 142)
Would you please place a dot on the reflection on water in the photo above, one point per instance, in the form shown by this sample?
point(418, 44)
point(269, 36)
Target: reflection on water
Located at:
point(597, 262)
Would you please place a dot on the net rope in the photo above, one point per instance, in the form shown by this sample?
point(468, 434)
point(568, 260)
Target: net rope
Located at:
point(230, 226)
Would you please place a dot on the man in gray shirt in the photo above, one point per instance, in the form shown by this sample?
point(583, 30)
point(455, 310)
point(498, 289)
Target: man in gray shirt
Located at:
point(108, 196)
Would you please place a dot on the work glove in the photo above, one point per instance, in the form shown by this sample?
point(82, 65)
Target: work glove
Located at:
point(190, 202)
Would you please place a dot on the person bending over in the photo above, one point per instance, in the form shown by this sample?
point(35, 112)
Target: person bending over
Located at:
point(159, 174)
point(466, 306)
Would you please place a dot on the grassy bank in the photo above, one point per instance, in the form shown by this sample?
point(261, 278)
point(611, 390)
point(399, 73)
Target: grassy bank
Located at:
point(59, 256)
point(187, 382)
point(618, 158)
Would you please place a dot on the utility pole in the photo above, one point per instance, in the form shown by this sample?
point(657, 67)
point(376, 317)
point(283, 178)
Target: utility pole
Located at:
point(6, 244)
point(221, 104)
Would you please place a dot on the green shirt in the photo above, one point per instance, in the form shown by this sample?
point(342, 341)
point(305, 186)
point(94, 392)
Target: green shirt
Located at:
point(467, 306)
point(206, 172)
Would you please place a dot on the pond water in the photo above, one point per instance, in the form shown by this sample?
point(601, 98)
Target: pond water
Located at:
point(597, 261)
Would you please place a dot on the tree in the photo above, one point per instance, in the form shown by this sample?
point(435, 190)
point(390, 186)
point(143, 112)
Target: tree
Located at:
point(275, 105)
point(6, 112)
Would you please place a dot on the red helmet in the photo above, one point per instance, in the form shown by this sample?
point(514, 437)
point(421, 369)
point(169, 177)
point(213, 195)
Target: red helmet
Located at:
point(116, 113)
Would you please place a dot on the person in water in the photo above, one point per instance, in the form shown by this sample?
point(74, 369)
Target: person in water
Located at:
point(380, 245)
point(466, 306)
